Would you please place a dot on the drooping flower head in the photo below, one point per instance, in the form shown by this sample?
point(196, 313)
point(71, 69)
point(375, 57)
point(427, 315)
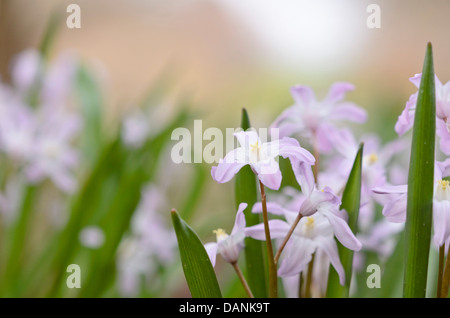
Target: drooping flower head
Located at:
point(261, 157)
point(229, 246)
point(312, 233)
point(316, 120)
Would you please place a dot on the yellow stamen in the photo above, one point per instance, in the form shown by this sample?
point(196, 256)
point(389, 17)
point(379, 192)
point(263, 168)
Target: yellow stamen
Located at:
point(310, 222)
point(373, 158)
point(220, 234)
point(443, 184)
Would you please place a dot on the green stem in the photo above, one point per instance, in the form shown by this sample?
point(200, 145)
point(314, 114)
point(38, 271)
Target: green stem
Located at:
point(440, 270)
point(446, 279)
point(287, 237)
point(273, 279)
point(242, 279)
point(309, 277)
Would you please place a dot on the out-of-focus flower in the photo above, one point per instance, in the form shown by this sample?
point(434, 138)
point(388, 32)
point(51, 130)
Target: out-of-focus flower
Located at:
point(315, 120)
point(26, 69)
point(380, 238)
point(406, 119)
point(395, 208)
point(53, 154)
point(150, 245)
point(59, 80)
point(92, 237)
point(135, 129)
point(229, 246)
point(374, 162)
point(17, 128)
point(261, 157)
point(40, 138)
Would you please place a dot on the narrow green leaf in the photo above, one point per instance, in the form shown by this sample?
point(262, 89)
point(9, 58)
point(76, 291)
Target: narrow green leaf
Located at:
point(197, 267)
point(351, 202)
point(50, 34)
point(420, 185)
point(246, 191)
point(90, 100)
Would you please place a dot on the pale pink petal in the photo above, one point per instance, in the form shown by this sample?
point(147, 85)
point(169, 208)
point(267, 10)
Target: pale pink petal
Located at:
point(268, 173)
point(329, 246)
point(211, 250)
point(342, 231)
point(337, 91)
point(278, 229)
point(298, 253)
point(441, 221)
point(303, 95)
point(239, 223)
point(348, 111)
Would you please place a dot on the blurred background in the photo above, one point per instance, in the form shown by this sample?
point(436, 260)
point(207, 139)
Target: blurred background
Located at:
point(223, 55)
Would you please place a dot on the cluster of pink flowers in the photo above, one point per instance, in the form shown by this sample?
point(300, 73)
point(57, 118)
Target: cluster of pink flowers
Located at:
point(321, 170)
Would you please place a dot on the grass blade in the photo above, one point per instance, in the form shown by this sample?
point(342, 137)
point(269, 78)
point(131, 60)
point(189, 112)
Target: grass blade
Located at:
point(197, 267)
point(420, 185)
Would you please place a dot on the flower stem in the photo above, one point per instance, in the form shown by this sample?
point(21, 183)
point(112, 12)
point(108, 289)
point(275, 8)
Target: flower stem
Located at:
point(288, 236)
point(446, 279)
point(309, 277)
point(300, 284)
point(440, 270)
point(242, 279)
point(273, 279)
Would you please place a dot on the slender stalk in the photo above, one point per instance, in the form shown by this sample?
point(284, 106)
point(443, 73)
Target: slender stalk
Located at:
point(440, 270)
point(300, 284)
point(317, 157)
point(273, 279)
point(242, 279)
point(446, 279)
point(309, 277)
point(288, 236)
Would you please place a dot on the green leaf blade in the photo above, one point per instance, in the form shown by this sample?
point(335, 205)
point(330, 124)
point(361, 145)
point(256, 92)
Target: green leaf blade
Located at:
point(420, 185)
point(197, 267)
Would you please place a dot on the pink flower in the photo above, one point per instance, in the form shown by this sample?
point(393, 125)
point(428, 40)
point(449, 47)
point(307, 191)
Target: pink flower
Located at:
point(395, 207)
point(316, 120)
point(406, 119)
point(313, 233)
point(229, 246)
point(261, 157)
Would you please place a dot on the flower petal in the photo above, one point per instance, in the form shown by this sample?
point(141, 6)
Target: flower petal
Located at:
point(211, 250)
point(268, 173)
point(337, 91)
point(278, 229)
point(342, 231)
point(239, 223)
point(304, 175)
point(441, 221)
point(329, 246)
point(272, 207)
point(348, 111)
point(303, 95)
point(298, 253)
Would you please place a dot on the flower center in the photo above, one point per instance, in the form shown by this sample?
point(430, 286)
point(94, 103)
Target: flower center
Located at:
point(442, 190)
point(309, 224)
point(255, 148)
point(220, 234)
point(373, 158)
